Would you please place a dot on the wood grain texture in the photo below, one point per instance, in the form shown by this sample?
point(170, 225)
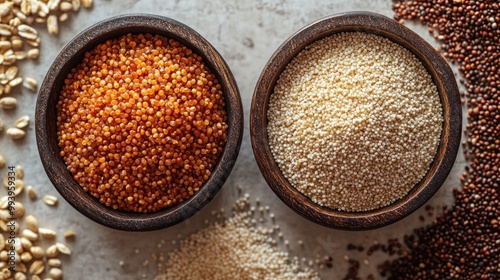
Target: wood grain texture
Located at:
point(442, 76)
point(45, 121)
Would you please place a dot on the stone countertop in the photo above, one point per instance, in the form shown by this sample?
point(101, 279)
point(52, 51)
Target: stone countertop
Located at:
point(246, 33)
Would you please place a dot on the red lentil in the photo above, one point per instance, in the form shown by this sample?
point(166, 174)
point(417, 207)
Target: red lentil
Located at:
point(141, 122)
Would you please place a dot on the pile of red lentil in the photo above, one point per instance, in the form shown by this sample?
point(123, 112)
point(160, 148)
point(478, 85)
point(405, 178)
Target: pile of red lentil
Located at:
point(141, 122)
point(464, 242)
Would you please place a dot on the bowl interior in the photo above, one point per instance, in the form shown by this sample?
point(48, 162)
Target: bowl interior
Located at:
point(46, 116)
point(450, 138)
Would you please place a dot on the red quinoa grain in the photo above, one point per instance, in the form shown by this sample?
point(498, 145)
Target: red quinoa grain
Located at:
point(141, 122)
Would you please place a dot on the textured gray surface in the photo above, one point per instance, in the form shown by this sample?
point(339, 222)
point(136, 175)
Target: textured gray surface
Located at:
point(246, 33)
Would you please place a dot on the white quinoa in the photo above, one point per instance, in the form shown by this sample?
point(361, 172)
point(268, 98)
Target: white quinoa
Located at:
point(235, 248)
point(354, 121)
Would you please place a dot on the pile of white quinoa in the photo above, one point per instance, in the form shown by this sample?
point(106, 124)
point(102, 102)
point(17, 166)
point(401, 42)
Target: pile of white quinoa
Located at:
point(354, 121)
point(234, 248)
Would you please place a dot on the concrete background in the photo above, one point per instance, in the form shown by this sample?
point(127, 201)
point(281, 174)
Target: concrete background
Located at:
point(246, 33)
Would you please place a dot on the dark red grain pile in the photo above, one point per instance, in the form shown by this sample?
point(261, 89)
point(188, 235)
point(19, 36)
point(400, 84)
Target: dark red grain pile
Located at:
point(464, 242)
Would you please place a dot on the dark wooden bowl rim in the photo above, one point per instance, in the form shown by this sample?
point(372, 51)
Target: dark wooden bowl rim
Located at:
point(442, 76)
point(45, 121)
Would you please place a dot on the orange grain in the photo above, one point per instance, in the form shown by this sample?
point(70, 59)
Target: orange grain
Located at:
point(141, 122)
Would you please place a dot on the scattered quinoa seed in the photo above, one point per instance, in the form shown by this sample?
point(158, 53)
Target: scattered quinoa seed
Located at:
point(249, 252)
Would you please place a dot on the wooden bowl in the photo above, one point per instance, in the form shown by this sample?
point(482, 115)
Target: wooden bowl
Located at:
point(46, 115)
point(450, 138)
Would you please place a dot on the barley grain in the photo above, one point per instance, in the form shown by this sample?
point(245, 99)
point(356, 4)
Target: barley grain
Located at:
point(50, 200)
point(52, 24)
point(22, 122)
point(31, 223)
point(8, 103)
point(33, 53)
point(15, 133)
point(47, 233)
point(37, 267)
point(30, 235)
point(30, 84)
point(86, 3)
point(65, 7)
point(54, 262)
point(37, 252)
point(52, 251)
point(31, 192)
point(63, 248)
